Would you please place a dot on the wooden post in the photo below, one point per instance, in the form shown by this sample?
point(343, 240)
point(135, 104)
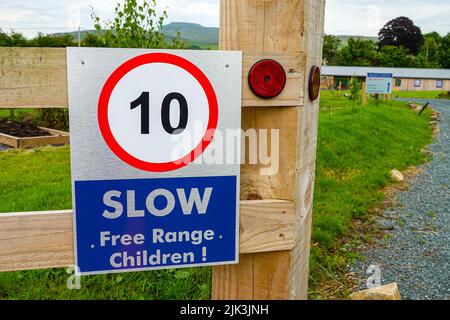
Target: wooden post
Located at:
point(363, 93)
point(269, 27)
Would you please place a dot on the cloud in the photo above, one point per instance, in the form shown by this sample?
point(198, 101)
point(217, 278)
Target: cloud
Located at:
point(352, 17)
point(205, 12)
point(366, 17)
point(14, 16)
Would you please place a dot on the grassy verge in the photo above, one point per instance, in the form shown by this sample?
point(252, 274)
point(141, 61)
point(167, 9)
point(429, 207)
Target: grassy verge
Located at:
point(356, 150)
point(421, 94)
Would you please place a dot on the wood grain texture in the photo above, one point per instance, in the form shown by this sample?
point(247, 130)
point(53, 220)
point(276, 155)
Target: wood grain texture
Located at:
point(37, 78)
point(261, 25)
point(235, 281)
point(39, 240)
point(292, 95)
point(26, 143)
point(258, 181)
point(9, 140)
point(55, 137)
point(36, 240)
point(291, 26)
point(312, 40)
point(266, 225)
point(33, 78)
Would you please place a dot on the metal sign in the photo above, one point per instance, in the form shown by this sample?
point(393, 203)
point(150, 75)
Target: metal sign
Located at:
point(379, 83)
point(143, 126)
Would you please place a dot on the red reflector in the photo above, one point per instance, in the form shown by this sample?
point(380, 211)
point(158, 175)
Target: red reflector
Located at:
point(314, 83)
point(267, 79)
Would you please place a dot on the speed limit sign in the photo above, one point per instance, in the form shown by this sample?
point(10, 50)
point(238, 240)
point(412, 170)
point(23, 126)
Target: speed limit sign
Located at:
point(142, 125)
point(181, 103)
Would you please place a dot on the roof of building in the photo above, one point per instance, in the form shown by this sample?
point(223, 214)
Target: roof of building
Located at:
point(411, 73)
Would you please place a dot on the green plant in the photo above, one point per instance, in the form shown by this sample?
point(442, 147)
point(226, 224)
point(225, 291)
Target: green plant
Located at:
point(355, 90)
point(49, 40)
point(12, 39)
point(55, 118)
point(331, 46)
point(135, 26)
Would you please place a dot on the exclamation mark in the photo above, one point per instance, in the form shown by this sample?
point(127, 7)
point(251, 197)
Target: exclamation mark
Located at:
point(204, 254)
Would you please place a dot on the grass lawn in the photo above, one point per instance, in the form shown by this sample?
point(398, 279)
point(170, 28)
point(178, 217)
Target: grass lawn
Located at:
point(419, 94)
point(356, 150)
point(40, 180)
point(18, 113)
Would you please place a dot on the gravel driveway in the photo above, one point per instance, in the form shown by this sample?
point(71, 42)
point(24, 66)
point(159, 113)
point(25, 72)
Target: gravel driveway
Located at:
point(417, 255)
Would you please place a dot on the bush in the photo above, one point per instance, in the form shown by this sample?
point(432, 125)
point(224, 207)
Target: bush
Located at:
point(445, 95)
point(55, 119)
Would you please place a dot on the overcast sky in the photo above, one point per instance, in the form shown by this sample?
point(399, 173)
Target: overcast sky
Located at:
point(343, 17)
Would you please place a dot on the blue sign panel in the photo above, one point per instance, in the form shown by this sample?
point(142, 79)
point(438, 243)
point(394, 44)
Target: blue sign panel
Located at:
point(380, 75)
point(379, 83)
point(131, 225)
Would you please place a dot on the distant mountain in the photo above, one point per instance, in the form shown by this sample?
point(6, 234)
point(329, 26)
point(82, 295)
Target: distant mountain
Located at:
point(194, 35)
point(192, 32)
point(200, 37)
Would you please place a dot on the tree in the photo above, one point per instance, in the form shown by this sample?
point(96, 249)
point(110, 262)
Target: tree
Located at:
point(92, 40)
point(135, 26)
point(430, 50)
point(401, 32)
point(358, 53)
point(331, 46)
point(12, 39)
point(395, 57)
point(48, 40)
point(444, 52)
point(355, 90)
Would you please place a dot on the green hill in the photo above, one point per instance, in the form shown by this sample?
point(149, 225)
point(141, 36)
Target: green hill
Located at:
point(194, 35)
point(193, 32)
point(197, 36)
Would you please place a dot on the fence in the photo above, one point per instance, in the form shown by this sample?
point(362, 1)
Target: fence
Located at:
point(276, 211)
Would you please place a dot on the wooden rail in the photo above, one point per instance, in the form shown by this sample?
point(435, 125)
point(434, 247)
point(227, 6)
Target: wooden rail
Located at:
point(37, 78)
point(39, 240)
point(54, 137)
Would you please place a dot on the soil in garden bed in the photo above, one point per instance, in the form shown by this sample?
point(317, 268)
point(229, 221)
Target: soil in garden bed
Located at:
point(23, 129)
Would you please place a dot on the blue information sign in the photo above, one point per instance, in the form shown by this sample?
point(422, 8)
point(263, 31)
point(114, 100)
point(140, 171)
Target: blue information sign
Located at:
point(155, 223)
point(379, 83)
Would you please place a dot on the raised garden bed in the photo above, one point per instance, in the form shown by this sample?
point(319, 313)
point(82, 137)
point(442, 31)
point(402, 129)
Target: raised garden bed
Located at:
point(27, 135)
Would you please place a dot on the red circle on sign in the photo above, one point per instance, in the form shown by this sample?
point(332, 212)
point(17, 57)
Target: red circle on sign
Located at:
point(267, 78)
point(132, 64)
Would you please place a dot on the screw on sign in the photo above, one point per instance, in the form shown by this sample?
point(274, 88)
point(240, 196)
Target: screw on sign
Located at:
point(157, 114)
point(138, 120)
